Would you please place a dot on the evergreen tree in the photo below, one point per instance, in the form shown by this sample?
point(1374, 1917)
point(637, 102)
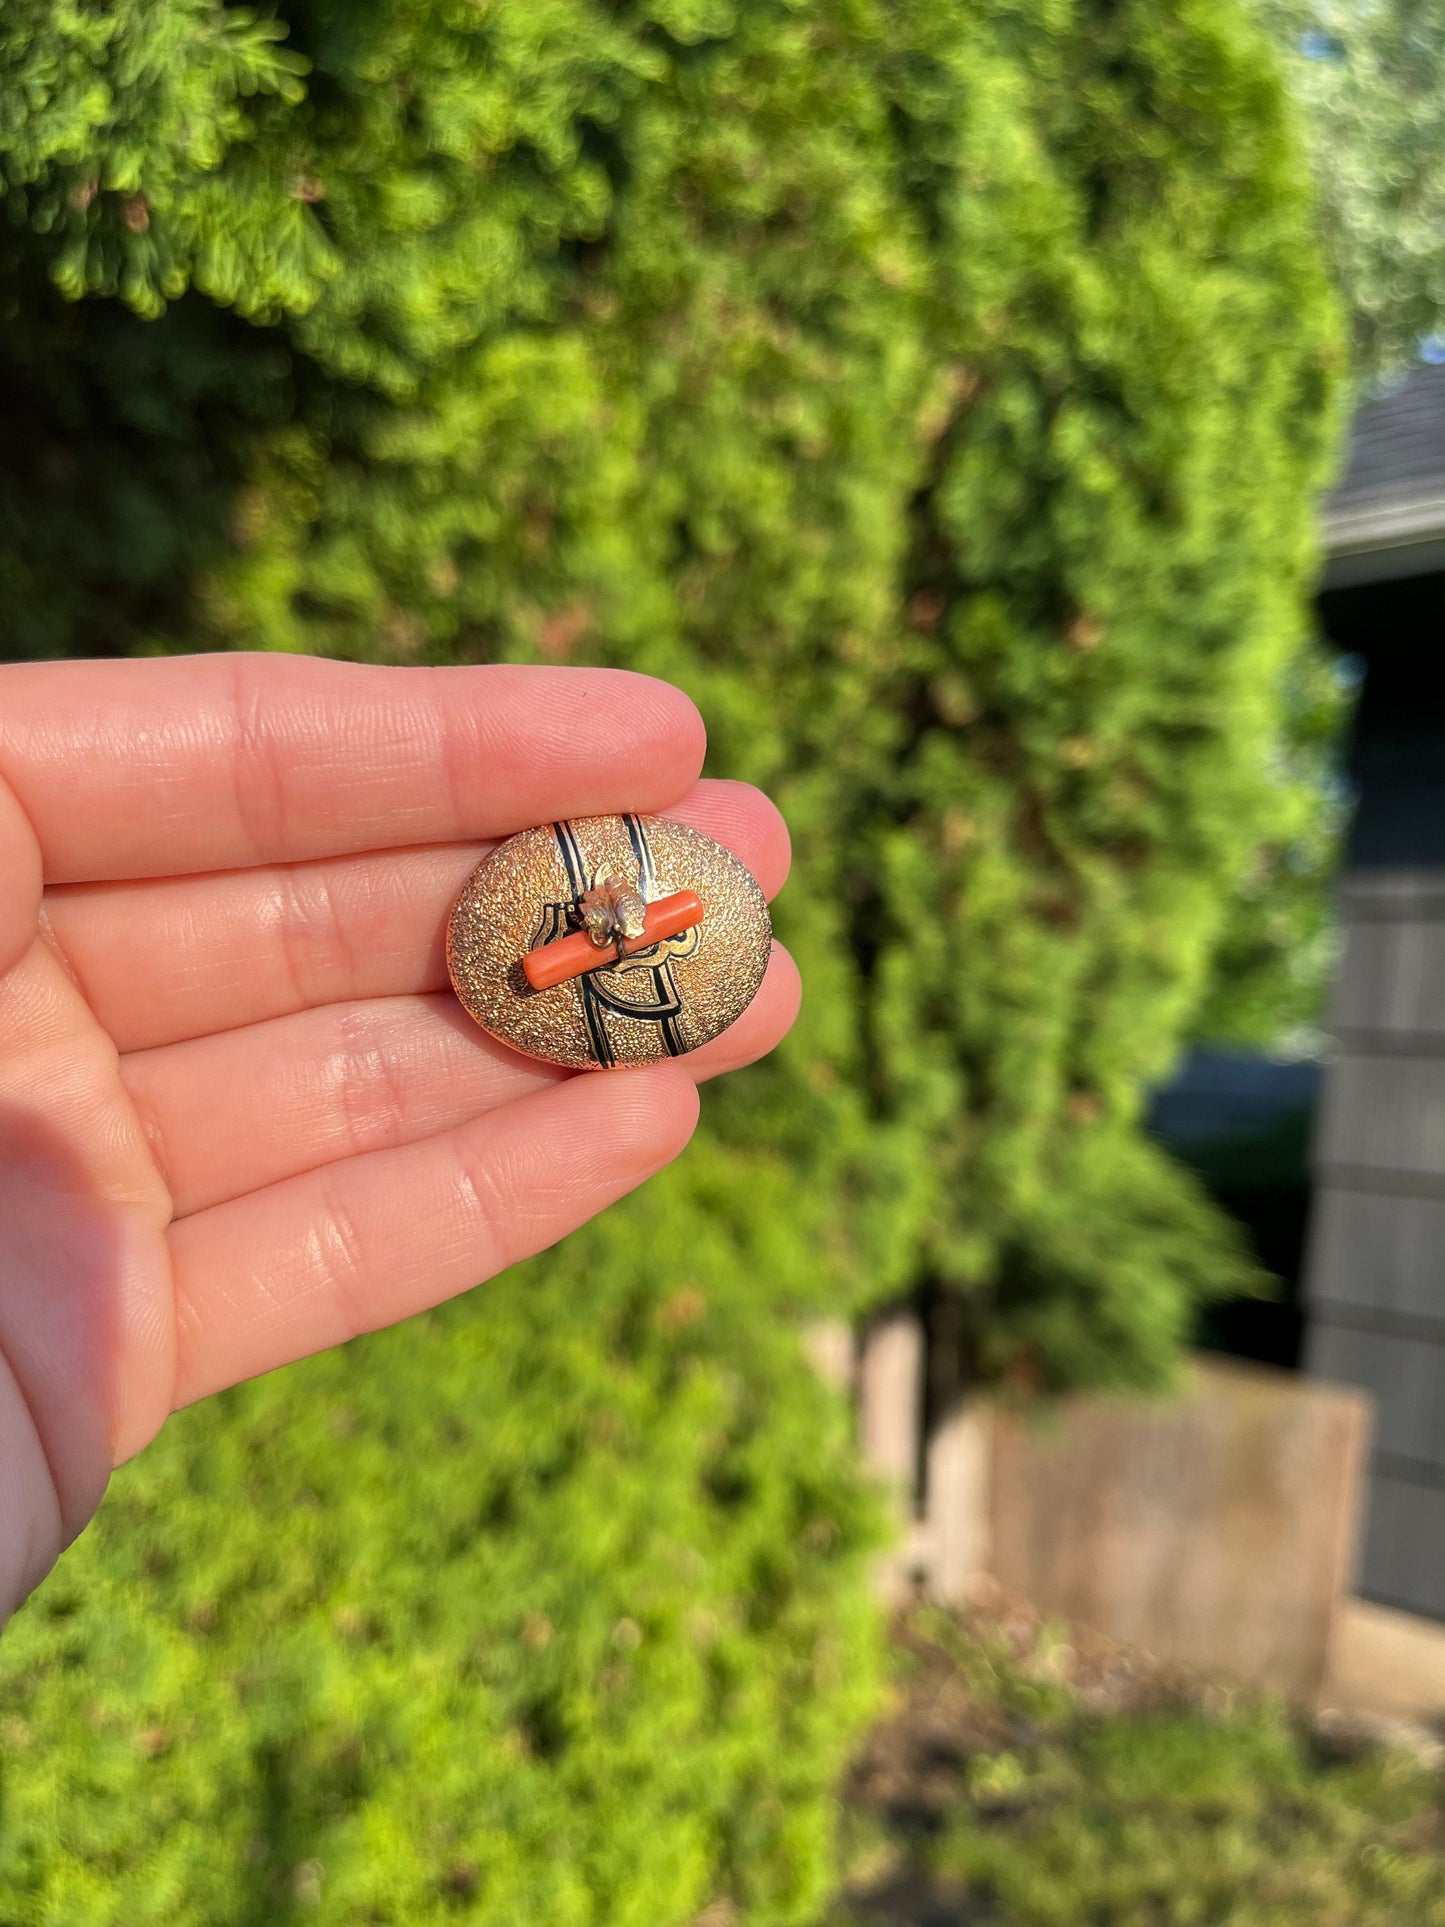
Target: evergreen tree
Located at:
point(1369, 76)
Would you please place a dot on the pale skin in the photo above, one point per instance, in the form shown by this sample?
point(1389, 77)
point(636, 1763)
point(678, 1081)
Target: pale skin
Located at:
point(242, 1117)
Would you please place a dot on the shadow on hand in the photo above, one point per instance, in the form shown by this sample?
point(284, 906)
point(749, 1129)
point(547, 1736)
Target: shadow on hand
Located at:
point(68, 1258)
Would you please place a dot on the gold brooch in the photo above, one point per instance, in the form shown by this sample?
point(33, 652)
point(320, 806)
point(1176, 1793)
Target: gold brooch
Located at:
point(608, 940)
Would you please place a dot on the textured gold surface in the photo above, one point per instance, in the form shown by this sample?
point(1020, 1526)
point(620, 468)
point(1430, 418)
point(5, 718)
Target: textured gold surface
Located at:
point(520, 897)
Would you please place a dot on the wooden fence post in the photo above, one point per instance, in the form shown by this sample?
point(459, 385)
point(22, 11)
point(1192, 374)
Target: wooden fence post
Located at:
point(890, 1422)
point(958, 1520)
point(829, 1348)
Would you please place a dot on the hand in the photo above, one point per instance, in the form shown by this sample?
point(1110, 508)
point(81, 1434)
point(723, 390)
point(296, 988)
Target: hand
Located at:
point(241, 1115)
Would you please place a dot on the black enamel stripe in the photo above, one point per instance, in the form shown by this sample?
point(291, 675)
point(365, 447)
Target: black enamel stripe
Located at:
point(642, 850)
point(667, 991)
point(591, 1009)
point(571, 857)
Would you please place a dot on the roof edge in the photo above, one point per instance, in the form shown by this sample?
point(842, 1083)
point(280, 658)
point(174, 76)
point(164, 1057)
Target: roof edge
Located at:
point(1383, 539)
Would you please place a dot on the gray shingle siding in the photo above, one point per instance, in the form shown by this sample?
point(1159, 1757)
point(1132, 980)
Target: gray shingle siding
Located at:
point(1375, 1274)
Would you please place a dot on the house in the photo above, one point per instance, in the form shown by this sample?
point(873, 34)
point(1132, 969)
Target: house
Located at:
point(1373, 1285)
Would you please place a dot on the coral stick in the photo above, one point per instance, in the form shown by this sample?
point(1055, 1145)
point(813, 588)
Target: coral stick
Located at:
point(574, 956)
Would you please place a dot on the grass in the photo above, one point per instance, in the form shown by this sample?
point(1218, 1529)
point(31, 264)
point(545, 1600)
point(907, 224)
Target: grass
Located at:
point(1020, 1784)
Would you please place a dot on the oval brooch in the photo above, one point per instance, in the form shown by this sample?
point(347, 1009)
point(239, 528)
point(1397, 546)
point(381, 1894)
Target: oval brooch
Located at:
point(606, 941)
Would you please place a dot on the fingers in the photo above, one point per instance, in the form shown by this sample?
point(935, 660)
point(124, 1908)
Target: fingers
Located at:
point(161, 961)
point(172, 766)
point(228, 1114)
point(313, 1261)
point(19, 881)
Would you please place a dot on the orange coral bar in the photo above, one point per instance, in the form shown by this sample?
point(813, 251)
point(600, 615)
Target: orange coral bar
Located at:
point(574, 956)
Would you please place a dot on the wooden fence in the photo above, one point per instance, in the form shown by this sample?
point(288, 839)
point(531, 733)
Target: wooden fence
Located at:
point(1217, 1528)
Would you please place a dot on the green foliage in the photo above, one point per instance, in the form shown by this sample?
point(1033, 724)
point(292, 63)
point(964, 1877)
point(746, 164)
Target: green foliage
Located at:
point(937, 392)
point(1179, 1820)
point(130, 138)
point(542, 1610)
point(1170, 1815)
point(1370, 78)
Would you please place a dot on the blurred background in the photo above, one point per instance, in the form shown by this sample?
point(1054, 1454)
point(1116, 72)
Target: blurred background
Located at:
point(1025, 1502)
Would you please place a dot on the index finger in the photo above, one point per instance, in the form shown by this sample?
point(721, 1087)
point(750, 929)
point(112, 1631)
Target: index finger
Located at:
point(166, 766)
